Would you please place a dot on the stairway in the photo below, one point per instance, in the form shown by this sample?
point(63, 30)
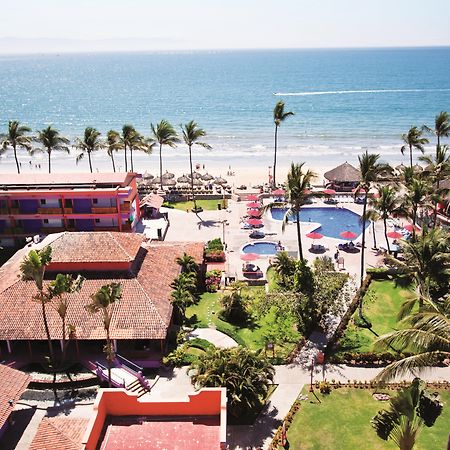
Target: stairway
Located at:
point(137, 388)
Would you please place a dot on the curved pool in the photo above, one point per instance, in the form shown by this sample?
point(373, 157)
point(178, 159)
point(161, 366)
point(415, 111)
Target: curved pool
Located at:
point(333, 220)
point(261, 248)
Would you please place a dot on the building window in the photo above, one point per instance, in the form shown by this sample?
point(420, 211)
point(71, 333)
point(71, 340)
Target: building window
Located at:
point(45, 220)
point(95, 201)
point(43, 201)
point(97, 220)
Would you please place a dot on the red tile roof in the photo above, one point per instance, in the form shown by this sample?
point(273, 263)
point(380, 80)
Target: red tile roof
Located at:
point(13, 384)
point(59, 433)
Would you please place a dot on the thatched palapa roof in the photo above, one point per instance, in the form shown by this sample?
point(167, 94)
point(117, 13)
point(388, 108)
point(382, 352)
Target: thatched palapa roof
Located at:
point(343, 173)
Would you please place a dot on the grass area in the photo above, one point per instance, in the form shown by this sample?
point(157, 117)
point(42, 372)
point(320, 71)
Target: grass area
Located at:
point(205, 204)
point(342, 421)
point(205, 314)
point(382, 303)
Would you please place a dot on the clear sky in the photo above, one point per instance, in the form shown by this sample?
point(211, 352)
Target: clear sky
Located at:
point(59, 25)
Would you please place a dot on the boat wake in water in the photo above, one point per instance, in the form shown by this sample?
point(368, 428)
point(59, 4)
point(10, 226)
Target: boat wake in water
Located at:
point(362, 91)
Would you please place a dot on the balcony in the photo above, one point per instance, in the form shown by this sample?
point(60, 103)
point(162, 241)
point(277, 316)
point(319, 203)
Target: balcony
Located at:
point(68, 210)
point(49, 210)
point(105, 210)
point(125, 207)
point(4, 212)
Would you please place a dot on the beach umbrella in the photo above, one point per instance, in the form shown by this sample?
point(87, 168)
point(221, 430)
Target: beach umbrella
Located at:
point(147, 176)
point(348, 235)
point(195, 175)
point(360, 190)
point(329, 191)
point(197, 182)
point(314, 235)
point(170, 182)
point(207, 177)
point(249, 256)
point(278, 192)
point(395, 235)
point(252, 197)
point(253, 205)
point(220, 180)
point(410, 227)
point(254, 213)
point(183, 179)
point(168, 175)
point(255, 222)
point(156, 180)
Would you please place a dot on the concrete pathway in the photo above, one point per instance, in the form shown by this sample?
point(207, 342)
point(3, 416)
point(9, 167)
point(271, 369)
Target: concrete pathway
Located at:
point(216, 337)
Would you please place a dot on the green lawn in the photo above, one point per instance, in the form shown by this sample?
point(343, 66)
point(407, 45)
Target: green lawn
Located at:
point(206, 313)
point(205, 204)
point(342, 421)
point(381, 305)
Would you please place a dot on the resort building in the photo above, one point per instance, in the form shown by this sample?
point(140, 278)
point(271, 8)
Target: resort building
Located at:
point(40, 204)
point(140, 321)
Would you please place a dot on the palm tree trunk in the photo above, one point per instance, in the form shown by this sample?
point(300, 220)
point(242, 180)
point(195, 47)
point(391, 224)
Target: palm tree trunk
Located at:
point(299, 236)
point(160, 166)
point(414, 218)
point(192, 178)
point(90, 162)
point(49, 162)
point(131, 159)
point(436, 205)
point(274, 182)
point(15, 157)
point(64, 352)
point(126, 161)
point(374, 235)
point(363, 243)
point(108, 358)
point(47, 332)
point(410, 156)
point(385, 235)
point(113, 162)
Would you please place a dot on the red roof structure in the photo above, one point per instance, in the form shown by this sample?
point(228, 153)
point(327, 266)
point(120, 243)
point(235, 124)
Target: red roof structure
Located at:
point(152, 201)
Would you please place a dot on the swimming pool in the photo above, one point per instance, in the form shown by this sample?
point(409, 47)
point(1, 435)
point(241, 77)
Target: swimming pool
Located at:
point(261, 248)
point(333, 220)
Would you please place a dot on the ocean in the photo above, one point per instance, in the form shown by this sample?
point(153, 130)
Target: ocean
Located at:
point(344, 100)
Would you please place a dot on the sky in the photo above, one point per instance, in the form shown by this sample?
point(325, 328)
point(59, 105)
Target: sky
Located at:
point(30, 26)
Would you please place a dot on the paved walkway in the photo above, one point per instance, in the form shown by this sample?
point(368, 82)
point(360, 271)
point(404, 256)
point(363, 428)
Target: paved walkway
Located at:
point(216, 337)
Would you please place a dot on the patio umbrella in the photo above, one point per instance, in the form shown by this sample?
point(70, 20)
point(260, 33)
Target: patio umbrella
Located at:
point(410, 227)
point(278, 192)
point(147, 176)
point(253, 205)
point(197, 182)
point(255, 222)
point(252, 197)
point(170, 182)
point(348, 235)
point(395, 235)
point(254, 213)
point(207, 177)
point(249, 256)
point(183, 179)
point(220, 180)
point(314, 235)
point(168, 175)
point(360, 190)
point(329, 191)
point(195, 175)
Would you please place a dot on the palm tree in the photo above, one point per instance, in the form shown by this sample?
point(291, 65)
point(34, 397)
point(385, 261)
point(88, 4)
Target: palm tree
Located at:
point(413, 139)
point(186, 281)
point(408, 411)
point(33, 268)
point(113, 143)
point(51, 140)
point(181, 298)
point(134, 141)
point(370, 169)
point(384, 204)
point(245, 374)
point(58, 289)
point(416, 197)
point(441, 126)
point(284, 266)
point(164, 134)
point(187, 263)
point(16, 137)
point(234, 304)
point(279, 116)
point(90, 143)
point(104, 300)
point(297, 195)
point(191, 135)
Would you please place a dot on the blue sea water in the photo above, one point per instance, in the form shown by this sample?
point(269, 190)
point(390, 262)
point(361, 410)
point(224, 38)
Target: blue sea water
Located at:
point(344, 100)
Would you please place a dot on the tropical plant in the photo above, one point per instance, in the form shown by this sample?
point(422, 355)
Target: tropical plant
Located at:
point(284, 267)
point(413, 140)
point(234, 304)
point(181, 298)
point(298, 193)
point(16, 137)
point(33, 268)
point(51, 140)
point(425, 332)
point(90, 143)
point(164, 134)
point(279, 116)
point(246, 376)
point(416, 197)
point(191, 134)
point(441, 126)
point(113, 144)
point(105, 300)
point(186, 281)
point(187, 263)
point(408, 411)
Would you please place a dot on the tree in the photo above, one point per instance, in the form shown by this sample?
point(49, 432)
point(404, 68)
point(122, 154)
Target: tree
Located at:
point(90, 143)
point(441, 126)
point(246, 376)
point(279, 116)
point(33, 268)
point(384, 204)
point(187, 263)
point(135, 141)
point(105, 300)
point(234, 304)
point(408, 411)
point(181, 298)
point(298, 193)
point(416, 197)
point(113, 143)
point(51, 140)
point(186, 281)
point(284, 267)
point(164, 134)
point(413, 139)
point(191, 134)
point(16, 137)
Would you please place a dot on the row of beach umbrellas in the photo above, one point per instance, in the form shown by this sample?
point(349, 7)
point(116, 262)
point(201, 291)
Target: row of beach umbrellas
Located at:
point(169, 179)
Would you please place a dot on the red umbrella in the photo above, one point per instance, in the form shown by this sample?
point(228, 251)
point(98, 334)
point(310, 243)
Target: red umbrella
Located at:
point(329, 191)
point(249, 256)
point(253, 205)
point(410, 227)
point(254, 213)
point(314, 235)
point(395, 235)
point(252, 197)
point(348, 235)
point(278, 192)
point(254, 222)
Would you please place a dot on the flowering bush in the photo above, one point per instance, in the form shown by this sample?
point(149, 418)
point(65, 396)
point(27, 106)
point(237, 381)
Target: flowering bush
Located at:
point(215, 255)
point(213, 280)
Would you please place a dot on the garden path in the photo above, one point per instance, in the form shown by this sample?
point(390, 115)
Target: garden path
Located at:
point(216, 337)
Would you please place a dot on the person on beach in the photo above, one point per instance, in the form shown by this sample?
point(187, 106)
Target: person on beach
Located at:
point(336, 256)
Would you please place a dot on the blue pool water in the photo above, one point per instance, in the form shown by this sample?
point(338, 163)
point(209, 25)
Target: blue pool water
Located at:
point(261, 248)
point(333, 220)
